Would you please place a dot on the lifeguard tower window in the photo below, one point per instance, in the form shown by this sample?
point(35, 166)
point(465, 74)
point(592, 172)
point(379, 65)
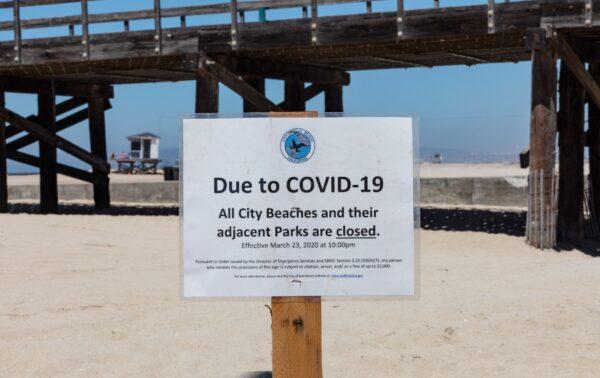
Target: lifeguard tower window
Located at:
point(136, 147)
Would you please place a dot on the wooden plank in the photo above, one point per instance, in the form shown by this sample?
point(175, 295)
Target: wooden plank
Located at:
point(158, 27)
point(571, 146)
point(234, 24)
point(576, 66)
point(207, 93)
point(17, 29)
point(594, 145)
point(30, 3)
point(257, 83)
point(334, 100)
point(248, 67)
point(43, 135)
point(399, 19)
point(314, 22)
point(62, 169)
point(294, 95)
point(543, 135)
point(3, 166)
point(48, 172)
point(98, 148)
point(296, 328)
point(236, 84)
point(61, 88)
point(85, 30)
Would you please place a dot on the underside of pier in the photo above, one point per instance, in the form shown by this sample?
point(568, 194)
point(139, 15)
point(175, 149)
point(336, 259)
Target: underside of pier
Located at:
point(312, 54)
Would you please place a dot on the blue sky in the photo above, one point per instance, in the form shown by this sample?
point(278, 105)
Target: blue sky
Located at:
point(483, 108)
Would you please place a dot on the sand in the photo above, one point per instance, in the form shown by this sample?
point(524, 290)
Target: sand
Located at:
point(426, 170)
point(98, 296)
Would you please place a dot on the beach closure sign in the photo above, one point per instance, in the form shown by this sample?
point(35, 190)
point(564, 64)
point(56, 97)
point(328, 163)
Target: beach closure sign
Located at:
point(298, 207)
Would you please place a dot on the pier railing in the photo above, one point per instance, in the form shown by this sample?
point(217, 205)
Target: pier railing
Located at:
point(234, 9)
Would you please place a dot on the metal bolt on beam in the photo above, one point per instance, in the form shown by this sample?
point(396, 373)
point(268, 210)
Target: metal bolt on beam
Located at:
point(491, 17)
point(589, 13)
point(400, 20)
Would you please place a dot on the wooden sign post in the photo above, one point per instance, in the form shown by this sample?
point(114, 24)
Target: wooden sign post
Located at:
point(296, 324)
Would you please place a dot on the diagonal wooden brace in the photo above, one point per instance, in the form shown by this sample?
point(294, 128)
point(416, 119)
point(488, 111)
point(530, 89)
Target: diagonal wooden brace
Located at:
point(66, 170)
point(40, 133)
point(310, 92)
point(65, 123)
point(566, 52)
point(236, 84)
point(64, 107)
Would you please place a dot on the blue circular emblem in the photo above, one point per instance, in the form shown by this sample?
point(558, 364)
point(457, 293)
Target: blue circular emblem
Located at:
point(297, 145)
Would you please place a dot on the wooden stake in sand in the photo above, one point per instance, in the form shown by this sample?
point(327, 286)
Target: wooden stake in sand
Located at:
point(296, 324)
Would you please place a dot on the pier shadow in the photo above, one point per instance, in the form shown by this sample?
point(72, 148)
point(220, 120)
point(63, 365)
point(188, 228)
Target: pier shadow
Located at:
point(588, 246)
point(88, 209)
point(258, 374)
point(511, 222)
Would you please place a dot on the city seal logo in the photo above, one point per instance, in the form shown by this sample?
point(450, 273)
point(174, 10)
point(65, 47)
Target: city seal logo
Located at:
point(297, 145)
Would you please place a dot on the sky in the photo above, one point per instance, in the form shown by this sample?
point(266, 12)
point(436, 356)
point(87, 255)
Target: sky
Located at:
point(482, 108)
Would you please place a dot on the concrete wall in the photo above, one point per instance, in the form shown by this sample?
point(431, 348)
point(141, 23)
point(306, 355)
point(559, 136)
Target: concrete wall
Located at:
point(497, 191)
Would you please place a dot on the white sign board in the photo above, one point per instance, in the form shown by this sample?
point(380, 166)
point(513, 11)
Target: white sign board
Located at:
point(298, 207)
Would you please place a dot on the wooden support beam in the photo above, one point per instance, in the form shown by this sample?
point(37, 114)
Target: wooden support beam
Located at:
point(43, 135)
point(236, 84)
point(257, 83)
point(594, 146)
point(207, 93)
point(334, 98)
point(568, 54)
point(3, 166)
point(247, 67)
point(62, 124)
point(296, 328)
point(48, 173)
point(61, 88)
point(98, 148)
point(85, 30)
point(234, 24)
point(62, 169)
point(294, 95)
point(314, 22)
point(309, 93)
point(158, 27)
point(540, 224)
point(17, 29)
point(571, 147)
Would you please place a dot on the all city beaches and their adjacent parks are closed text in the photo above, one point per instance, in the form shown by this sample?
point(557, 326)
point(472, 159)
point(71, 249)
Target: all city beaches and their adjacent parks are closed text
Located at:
point(298, 207)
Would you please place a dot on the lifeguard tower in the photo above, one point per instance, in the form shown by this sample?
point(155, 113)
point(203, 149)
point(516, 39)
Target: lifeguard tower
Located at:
point(143, 154)
point(143, 146)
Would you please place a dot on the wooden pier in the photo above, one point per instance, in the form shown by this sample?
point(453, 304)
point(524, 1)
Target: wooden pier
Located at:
point(313, 54)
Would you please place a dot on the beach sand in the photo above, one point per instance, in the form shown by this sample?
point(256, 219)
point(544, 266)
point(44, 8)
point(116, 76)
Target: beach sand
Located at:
point(426, 171)
point(98, 296)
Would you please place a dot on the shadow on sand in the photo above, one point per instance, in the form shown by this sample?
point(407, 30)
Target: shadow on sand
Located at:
point(446, 219)
point(477, 220)
point(88, 209)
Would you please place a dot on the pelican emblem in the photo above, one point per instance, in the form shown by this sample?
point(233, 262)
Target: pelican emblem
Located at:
point(297, 145)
